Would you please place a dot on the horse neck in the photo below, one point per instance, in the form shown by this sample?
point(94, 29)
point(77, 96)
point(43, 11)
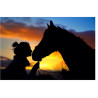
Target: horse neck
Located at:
point(76, 55)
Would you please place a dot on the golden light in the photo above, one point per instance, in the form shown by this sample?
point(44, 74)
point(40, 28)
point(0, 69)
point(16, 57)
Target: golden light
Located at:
point(52, 62)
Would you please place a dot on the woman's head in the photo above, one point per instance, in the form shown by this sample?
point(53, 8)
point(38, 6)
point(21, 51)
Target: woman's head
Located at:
point(22, 49)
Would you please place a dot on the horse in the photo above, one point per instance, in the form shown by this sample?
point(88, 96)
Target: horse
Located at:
point(79, 57)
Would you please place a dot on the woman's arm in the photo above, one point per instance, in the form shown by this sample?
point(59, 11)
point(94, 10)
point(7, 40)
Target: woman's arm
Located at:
point(32, 74)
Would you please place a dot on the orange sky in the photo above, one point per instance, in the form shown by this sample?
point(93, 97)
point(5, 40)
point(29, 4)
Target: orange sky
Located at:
point(17, 30)
point(52, 62)
point(14, 30)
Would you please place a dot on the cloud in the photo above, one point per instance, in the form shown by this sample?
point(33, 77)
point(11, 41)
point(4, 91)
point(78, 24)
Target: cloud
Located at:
point(41, 22)
point(4, 58)
point(12, 29)
point(17, 19)
point(62, 26)
point(3, 19)
point(27, 19)
point(87, 36)
point(4, 61)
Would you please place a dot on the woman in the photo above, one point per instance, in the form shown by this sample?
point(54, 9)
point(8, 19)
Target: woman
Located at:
point(16, 70)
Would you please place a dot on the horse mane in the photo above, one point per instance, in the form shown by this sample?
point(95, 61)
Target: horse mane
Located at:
point(76, 40)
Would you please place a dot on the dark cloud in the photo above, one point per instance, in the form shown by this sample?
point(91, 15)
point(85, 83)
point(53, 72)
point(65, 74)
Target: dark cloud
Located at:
point(72, 31)
point(87, 36)
point(41, 22)
point(4, 61)
point(27, 19)
point(4, 58)
point(12, 29)
point(62, 26)
point(3, 19)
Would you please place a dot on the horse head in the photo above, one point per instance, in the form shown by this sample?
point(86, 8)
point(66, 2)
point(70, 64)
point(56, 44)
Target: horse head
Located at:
point(47, 44)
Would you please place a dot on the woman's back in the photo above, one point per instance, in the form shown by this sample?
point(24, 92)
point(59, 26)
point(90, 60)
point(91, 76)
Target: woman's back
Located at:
point(16, 70)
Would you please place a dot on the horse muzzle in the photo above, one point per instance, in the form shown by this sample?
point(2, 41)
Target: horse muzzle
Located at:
point(36, 58)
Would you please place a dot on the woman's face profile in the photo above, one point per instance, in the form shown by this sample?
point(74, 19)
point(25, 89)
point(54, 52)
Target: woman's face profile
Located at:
point(28, 51)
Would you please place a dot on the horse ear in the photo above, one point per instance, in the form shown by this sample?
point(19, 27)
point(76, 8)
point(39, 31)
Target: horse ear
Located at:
point(47, 25)
point(51, 23)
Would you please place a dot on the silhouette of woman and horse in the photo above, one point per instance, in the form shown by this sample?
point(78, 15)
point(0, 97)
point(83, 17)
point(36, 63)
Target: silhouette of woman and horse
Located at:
point(79, 57)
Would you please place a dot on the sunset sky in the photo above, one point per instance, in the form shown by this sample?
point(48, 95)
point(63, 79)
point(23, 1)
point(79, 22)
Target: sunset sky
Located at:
point(31, 29)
